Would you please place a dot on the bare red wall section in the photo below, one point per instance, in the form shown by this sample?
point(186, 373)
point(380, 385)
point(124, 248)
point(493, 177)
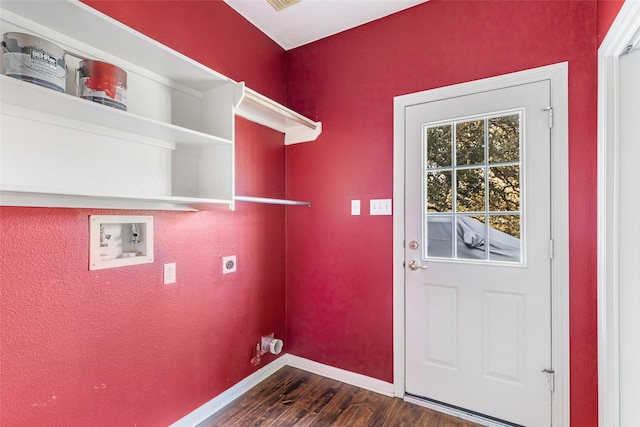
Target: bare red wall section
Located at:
point(607, 12)
point(117, 347)
point(339, 267)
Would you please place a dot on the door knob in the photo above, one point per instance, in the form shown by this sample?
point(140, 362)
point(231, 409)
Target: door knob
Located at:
point(415, 265)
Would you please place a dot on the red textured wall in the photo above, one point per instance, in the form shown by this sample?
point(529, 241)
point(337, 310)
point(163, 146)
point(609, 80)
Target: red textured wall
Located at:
point(339, 267)
point(117, 347)
point(607, 12)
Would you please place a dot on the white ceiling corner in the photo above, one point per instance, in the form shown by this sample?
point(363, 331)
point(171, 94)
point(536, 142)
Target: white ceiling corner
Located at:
point(311, 20)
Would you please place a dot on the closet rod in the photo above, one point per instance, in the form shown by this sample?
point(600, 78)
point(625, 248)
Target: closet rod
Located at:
point(271, 201)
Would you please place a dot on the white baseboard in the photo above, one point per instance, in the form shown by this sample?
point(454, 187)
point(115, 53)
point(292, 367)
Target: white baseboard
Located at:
point(217, 403)
point(359, 380)
point(223, 399)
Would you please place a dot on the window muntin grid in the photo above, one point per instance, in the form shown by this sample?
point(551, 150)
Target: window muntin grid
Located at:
point(472, 188)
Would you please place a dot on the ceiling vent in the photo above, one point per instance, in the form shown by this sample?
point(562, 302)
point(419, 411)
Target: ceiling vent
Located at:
point(282, 4)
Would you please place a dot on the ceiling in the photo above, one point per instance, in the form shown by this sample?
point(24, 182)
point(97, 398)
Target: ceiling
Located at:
point(311, 20)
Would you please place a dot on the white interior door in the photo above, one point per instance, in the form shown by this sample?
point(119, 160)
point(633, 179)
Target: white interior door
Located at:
point(478, 268)
point(629, 238)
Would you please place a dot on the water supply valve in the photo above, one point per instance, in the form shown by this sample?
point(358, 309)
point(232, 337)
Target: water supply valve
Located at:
point(255, 361)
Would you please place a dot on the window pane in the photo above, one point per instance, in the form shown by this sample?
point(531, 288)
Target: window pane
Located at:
point(470, 237)
point(504, 238)
point(509, 224)
point(439, 237)
point(504, 139)
point(504, 189)
point(470, 143)
point(439, 191)
point(438, 146)
point(470, 190)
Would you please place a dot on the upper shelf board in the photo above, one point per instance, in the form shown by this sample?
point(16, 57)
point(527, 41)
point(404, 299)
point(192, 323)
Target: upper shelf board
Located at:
point(79, 22)
point(91, 27)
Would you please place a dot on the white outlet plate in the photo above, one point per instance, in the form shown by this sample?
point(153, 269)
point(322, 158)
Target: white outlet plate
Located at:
point(170, 273)
point(355, 207)
point(228, 264)
point(380, 207)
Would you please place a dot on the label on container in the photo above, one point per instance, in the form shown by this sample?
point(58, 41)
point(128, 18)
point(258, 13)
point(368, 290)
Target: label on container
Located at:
point(112, 95)
point(36, 67)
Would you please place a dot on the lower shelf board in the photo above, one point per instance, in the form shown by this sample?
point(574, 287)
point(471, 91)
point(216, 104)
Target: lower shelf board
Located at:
point(19, 196)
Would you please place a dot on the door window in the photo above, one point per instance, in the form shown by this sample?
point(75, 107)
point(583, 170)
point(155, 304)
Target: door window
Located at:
point(472, 188)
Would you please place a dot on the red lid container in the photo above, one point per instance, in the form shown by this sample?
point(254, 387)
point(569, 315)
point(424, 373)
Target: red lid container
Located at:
point(103, 83)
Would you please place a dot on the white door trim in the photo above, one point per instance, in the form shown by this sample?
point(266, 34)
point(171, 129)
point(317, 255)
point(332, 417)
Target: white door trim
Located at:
point(622, 30)
point(558, 76)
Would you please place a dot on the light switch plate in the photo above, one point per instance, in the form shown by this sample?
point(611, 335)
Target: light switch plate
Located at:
point(380, 207)
point(228, 264)
point(355, 207)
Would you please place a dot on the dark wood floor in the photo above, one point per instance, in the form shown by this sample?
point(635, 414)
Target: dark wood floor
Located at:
point(293, 397)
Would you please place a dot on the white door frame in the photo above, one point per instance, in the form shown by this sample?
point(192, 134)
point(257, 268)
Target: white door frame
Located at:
point(558, 76)
point(622, 30)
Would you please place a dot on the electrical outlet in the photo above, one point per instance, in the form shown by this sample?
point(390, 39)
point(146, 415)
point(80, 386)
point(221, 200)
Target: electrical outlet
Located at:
point(228, 264)
point(170, 273)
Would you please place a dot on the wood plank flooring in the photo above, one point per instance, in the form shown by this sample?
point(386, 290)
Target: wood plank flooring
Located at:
point(293, 397)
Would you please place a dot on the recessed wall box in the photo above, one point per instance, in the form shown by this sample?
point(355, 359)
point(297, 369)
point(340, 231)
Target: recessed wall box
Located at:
point(120, 240)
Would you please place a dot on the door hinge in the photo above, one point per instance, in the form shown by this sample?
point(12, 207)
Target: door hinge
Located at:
point(551, 378)
point(551, 249)
point(549, 110)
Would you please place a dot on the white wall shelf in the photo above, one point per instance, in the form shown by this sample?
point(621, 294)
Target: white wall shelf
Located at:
point(82, 29)
point(14, 195)
point(172, 149)
point(30, 99)
point(260, 109)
